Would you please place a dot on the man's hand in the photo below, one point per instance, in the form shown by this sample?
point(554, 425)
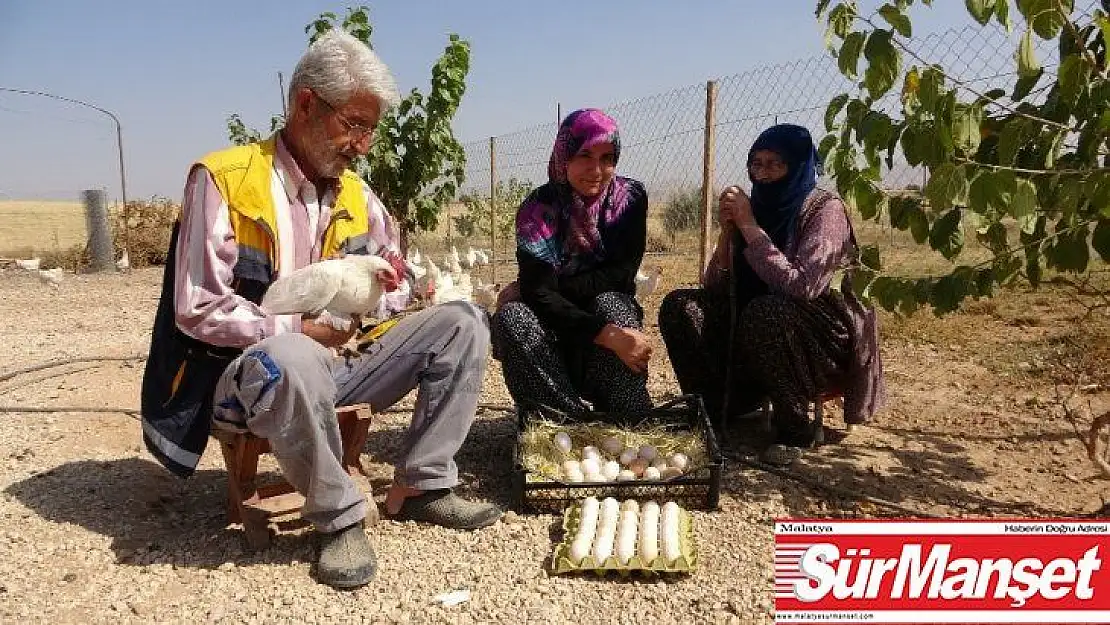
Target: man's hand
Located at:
point(321, 331)
point(631, 346)
point(736, 208)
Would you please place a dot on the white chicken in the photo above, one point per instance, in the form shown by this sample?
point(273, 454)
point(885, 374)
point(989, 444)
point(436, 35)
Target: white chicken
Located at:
point(415, 257)
point(471, 259)
point(30, 265)
point(352, 285)
point(123, 265)
point(452, 262)
point(646, 283)
point(485, 295)
point(53, 277)
point(481, 257)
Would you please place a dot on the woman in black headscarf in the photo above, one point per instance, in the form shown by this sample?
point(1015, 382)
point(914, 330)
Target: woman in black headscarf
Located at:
point(768, 309)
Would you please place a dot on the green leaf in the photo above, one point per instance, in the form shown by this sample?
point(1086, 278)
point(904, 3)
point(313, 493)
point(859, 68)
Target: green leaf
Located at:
point(821, 6)
point(966, 131)
point(1044, 16)
point(827, 144)
point(1100, 240)
point(847, 59)
point(1032, 244)
point(1097, 189)
point(981, 10)
point(946, 236)
point(1069, 194)
point(992, 191)
point(932, 83)
point(1024, 205)
point(947, 293)
point(994, 237)
point(1010, 141)
point(1073, 75)
point(876, 130)
point(898, 20)
point(1002, 14)
point(1025, 84)
point(947, 187)
point(869, 256)
point(1027, 63)
point(1104, 26)
point(1071, 252)
point(884, 63)
point(867, 198)
point(834, 108)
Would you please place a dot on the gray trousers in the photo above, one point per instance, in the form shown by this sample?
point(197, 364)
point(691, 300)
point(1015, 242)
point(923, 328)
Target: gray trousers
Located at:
point(286, 387)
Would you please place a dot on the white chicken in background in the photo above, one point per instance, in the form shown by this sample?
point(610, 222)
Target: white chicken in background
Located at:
point(646, 283)
point(452, 262)
point(53, 277)
point(352, 285)
point(418, 272)
point(415, 258)
point(481, 257)
point(29, 265)
point(470, 261)
point(485, 295)
point(123, 265)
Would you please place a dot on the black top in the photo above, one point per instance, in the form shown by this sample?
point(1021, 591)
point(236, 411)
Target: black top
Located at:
point(564, 300)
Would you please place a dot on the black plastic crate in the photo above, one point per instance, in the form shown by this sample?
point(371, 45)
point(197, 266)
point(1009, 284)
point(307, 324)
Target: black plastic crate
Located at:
point(700, 489)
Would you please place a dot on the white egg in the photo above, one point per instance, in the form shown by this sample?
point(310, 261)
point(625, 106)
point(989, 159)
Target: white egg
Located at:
point(594, 478)
point(578, 551)
point(660, 465)
point(626, 476)
point(628, 455)
point(611, 470)
point(679, 461)
point(563, 442)
point(571, 465)
point(630, 505)
point(649, 453)
point(589, 451)
point(575, 476)
point(611, 445)
point(651, 473)
point(591, 465)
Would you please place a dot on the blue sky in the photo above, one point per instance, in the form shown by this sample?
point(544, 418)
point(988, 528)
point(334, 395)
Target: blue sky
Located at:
point(174, 71)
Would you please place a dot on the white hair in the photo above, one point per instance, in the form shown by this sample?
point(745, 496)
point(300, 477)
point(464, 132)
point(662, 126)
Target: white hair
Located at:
point(337, 65)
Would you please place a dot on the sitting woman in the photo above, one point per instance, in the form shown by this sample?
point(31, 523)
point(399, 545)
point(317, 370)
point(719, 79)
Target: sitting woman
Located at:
point(574, 331)
point(789, 334)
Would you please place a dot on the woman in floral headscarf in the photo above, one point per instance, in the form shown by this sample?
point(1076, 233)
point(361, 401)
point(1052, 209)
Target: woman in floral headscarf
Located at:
point(770, 307)
point(575, 332)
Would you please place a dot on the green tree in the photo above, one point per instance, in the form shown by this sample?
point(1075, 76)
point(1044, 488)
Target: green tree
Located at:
point(1035, 156)
point(415, 165)
point(476, 220)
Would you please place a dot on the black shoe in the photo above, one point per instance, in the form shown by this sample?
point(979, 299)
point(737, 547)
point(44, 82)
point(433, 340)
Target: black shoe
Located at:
point(346, 558)
point(443, 507)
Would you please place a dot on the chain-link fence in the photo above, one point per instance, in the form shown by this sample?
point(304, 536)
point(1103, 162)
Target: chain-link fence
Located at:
point(663, 136)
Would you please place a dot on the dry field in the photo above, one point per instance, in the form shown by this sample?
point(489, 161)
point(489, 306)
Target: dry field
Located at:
point(36, 227)
point(93, 530)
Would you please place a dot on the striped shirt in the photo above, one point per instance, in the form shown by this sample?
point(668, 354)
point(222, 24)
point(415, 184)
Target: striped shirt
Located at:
point(206, 307)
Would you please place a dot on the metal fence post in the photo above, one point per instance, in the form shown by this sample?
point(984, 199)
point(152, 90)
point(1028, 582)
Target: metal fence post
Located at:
point(708, 162)
point(493, 209)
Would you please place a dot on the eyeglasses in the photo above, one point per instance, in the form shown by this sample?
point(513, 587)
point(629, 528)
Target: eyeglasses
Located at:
point(354, 131)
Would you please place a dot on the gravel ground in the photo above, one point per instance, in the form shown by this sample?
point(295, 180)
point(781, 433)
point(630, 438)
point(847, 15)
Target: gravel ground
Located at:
point(93, 530)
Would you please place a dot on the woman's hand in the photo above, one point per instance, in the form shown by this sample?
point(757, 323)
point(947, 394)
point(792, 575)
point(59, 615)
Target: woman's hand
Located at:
point(631, 346)
point(738, 207)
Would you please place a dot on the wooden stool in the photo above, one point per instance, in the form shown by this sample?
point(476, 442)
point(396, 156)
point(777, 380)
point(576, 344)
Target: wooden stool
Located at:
point(254, 505)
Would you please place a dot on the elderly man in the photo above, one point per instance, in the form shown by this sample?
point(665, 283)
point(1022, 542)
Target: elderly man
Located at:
point(254, 213)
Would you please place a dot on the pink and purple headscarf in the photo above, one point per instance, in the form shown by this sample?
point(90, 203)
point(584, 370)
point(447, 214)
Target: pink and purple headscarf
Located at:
point(556, 224)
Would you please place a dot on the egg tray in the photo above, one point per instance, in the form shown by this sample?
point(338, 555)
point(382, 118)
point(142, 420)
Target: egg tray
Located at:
point(686, 563)
point(700, 488)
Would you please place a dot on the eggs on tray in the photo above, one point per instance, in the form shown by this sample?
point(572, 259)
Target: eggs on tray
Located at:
point(614, 462)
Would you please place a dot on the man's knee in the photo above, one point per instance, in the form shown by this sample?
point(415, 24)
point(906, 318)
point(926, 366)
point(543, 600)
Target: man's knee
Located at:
point(764, 313)
point(292, 349)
